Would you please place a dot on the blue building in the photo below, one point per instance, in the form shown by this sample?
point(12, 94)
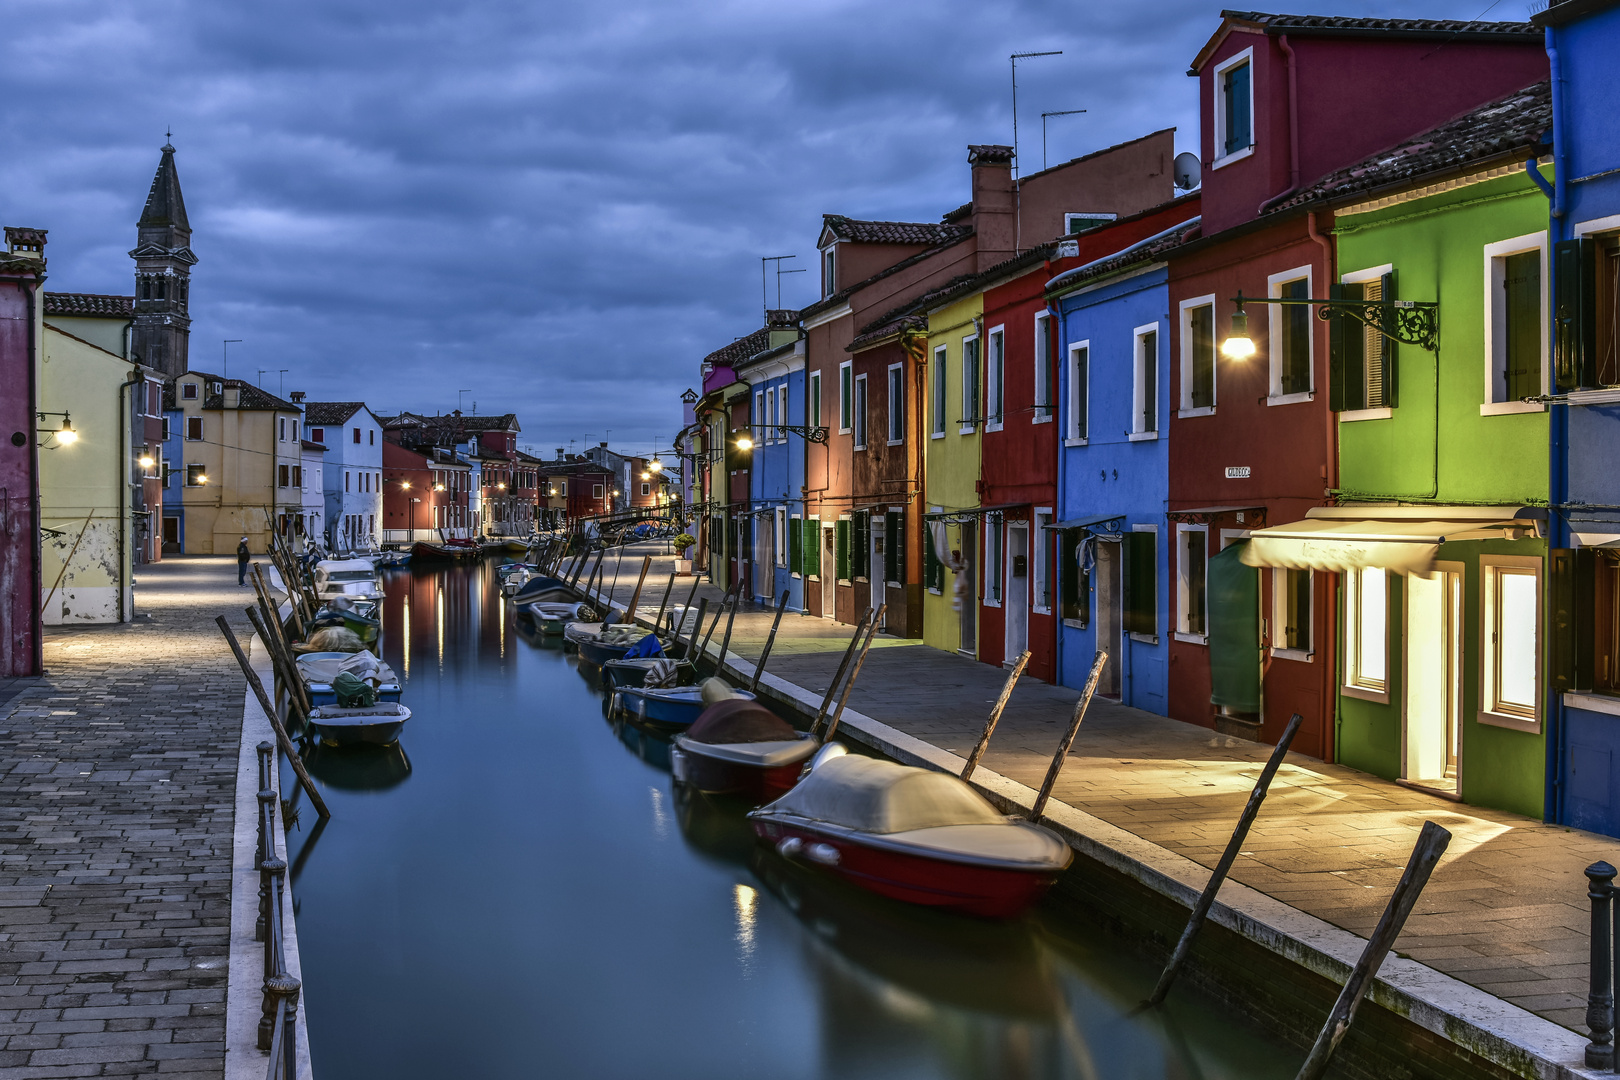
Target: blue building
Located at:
point(1583, 701)
point(1113, 473)
point(776, 472)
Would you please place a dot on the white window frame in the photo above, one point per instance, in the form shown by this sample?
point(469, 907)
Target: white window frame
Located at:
point(1361, 277)
point(846, 400)
point(977, 370)
point(819, 543)
point(1071, 422)
point(897, 404)
point(1184, 585)
point(1186, 409)
point(1217, 123)
point(1040, 553)
point(780, 514)
point(781, 413)
point(829, 270)
point(596, 491)
point(202, 429)
point(1274, 285)
point(861, 400)
point(812, 400)
point(1352, 684)
point(1491, 568)
point(1137, 379)
point(939, 392)
point(190, 391)
point(759, 425)
point(1042, 366)
point(646, 489)
point(995, 378)
point(1495, 318)
point(994, 568)
point(1279, 618)
point(1098, 218)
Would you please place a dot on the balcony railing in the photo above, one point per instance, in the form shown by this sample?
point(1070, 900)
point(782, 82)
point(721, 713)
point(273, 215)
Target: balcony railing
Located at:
point(278, 1026)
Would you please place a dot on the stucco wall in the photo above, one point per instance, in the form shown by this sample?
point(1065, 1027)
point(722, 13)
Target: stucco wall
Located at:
point(952, 464)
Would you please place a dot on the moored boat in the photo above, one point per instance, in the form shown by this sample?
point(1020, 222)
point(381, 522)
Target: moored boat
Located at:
point(674, 706)
point(600, 642)
point(645, 671)
point(913, 834)
point(319, 669)
point(551, 617)
point(354, 579)
point(378, 725)
point(739, 747)
point(541, 588)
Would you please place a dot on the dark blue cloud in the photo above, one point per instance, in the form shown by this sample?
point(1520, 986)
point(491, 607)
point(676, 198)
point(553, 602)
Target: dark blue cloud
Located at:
point(558, 206)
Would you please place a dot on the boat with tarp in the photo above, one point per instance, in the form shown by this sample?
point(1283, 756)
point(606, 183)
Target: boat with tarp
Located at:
point(674, 706)
point(320, 669)
point(353, 579)
point(739, 747)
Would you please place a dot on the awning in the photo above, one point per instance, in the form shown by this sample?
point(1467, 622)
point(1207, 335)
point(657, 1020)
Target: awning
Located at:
point(1201, 515)
point(1402, 539)
point(1084, 522)
point(1597, 540)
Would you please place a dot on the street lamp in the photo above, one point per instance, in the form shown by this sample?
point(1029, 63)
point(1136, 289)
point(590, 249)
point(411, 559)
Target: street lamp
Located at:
point(1238, 345)
point(65, 435)
point(744, 443)
point(145, 461)
point(1408, 322)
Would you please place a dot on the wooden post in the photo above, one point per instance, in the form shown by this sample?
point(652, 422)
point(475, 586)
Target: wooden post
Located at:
point(704, 650)
point(691, 642)
point(1201, 909)
point(658, 623)
point(275, 721)
point(765, 654)
point(1431, 844)
point(838, 675)
point(278, 659)
point(1068, 738)
point(617, 566)
point(635, 597)
point(725, 642)
point(995, 715)
point(860, 661)
point(687, 610)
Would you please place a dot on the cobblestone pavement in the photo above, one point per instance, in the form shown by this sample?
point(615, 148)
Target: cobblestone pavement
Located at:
point(117, 781)
point(1506, 910)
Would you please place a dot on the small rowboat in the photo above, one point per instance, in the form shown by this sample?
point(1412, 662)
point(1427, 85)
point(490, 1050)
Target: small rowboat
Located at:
point(551, 617)
point(318, 669)
point(634, 672)
point(540, 589)
point(598, 642)
point(675, 706)
point(915, 835)
point(378, 725)
point(739, 747)
point(354, 579)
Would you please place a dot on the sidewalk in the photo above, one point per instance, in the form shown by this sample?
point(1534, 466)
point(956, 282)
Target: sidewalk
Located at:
point(1506, 910)
point(117, 792)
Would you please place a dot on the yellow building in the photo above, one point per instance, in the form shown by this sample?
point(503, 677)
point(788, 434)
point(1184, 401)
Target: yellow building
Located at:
point(955, 398)
point(241, 464)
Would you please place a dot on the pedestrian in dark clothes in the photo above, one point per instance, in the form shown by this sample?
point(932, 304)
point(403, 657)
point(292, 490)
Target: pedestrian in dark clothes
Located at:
point(242, 558)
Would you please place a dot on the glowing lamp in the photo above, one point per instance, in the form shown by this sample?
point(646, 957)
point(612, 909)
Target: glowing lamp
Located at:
point(1238, 346)
point(745, 443)
point(145, 461)
point(66, 435)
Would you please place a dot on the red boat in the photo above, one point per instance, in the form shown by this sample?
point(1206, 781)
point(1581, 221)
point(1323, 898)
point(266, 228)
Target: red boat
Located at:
point(739, 747)
point(913, 834)
point(450, 549)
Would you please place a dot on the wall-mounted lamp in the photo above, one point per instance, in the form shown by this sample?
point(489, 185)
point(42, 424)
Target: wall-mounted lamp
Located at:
point(145, 461)
point(744, 443)
point(1409, 322)
point(64, 435)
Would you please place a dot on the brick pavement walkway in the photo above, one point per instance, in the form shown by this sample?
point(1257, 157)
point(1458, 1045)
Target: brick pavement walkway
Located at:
point(117, 787)
point(1506, 910)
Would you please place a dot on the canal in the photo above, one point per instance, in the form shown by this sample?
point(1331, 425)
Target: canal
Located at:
point(518, 890)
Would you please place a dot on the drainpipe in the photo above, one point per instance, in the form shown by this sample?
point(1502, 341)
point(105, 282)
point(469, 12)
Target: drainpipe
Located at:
point(37, 630)
point(1330, 621)
point(1062, 341)
point(125, 570)
point(1558, 424)
point(1293, 129)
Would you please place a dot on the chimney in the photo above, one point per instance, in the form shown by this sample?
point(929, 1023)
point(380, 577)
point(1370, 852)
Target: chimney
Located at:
point(29, 243)
point(296, 397)
point(559, 453)
point(603, 445)
point(993, 204)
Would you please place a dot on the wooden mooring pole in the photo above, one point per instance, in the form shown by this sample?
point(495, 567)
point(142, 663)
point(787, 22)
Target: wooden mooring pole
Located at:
point(676, 623)
point(691, 642)
point(1068, 738)
point(995, 715)
point(658, 623)
point(635, 597)
point(1431, 844)
point(860, 661)
point(838, 675)
point(765, 654)
point(275, 721)
point(1200, 910)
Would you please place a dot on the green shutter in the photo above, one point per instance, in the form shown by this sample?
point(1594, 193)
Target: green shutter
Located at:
point(1234, 632)
point(1572, 587)
point(1346, 379)
point(812, 547)
point(1387, 348)
point(1521, 282)
point(841, 548)
point(795, 545)
point(1141, 583)
point(1238, 125)
point(1575, 314)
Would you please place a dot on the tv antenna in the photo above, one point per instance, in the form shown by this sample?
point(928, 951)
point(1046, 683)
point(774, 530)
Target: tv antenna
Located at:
point(764, 295)
point(1044, 115)
point(225, 361)
point(459, 394)
point(1018, 219)
point(281, 382)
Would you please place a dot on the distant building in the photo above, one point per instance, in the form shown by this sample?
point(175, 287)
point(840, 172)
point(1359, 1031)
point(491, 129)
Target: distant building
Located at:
point(163, 262)
point(353, 468)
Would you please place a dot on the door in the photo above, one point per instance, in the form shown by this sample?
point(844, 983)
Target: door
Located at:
point(1433, 678)
point(1016, 594)
point(171, 535)
point(877, 571)
point(829, 572)
point(967, 589)
point(765, 557)
point(1107, 577)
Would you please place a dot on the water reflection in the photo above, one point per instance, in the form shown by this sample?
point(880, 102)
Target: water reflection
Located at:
point(537, 901)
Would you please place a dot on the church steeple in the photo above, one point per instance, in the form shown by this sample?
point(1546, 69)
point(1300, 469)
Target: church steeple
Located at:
point(163, 262)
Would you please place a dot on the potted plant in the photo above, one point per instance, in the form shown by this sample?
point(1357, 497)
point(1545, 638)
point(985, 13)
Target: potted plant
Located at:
point(683, 552)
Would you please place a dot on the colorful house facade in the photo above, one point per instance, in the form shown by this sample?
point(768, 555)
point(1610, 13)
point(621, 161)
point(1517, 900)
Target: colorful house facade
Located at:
point(776, 461)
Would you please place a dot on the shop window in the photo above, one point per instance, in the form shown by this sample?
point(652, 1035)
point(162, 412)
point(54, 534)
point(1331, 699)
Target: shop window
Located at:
point(1192, 573)
point(1366, 661)
point(1291, 613)
point(1512, 638)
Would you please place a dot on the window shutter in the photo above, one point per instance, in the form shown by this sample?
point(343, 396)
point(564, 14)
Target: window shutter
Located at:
point(1203, 356)
point(812, 548)
point(1572, 586)
point(1071, 579)
point(894, 546)
point(1575, 313)
point(1347, 377)
point(795, 540)
point(841, 548)
point(860, 546)
point(1388, 348)
point(1521, 282)
point(1141, 583)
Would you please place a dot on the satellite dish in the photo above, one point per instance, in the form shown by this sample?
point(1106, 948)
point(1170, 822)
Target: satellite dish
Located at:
point(1187, 170)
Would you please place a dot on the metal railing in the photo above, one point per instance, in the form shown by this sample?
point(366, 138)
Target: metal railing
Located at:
point(278, 1026)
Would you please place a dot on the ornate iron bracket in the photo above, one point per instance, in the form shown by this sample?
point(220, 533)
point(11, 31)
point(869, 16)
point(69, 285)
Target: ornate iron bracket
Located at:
point(1409, 322)
point(808, 434)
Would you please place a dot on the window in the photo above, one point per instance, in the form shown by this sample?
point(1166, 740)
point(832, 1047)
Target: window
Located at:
point(1291, 345)
point(841, 550)
point(1361, 361)
point(1515, 334)
point(812, 402)
point(795, 545)
point(779, 516)
point(1141, 574)
point(357, 436)
point(1041, 557)
point(940, 366)
point(346, 478)
point(646, 489)
point(194, 428)
point(317, 435)
point(1079, 393)
point(897, 404)
point(829, 271)
point(1145, 391)
point(562, 488)
point(1512, 641)
point(759, 425)
point(811, 547)
point(933, 543)
point(971, 402)
point(1079, 223)
point(993, 543)
point(297, 476)
point(188, 391)
point(1366, 660)
point(1291, 613)
point(1044, 346)
point(781, 412)
point(283, 476)
point(596, 491)
point(196, 476)
point(283, 436)
point(894, 546)
point(166, 429)
point(1075, 576)
point(1198, 356)
point(1192, 566)
point(371, 438)
point(1586, 308)
point(860, 413)
point(1234, 107)
point(846, 397)
point(995, 380)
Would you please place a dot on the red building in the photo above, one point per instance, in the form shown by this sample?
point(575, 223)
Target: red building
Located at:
point(1363, 84)
point(22, 272)
point(578, 487)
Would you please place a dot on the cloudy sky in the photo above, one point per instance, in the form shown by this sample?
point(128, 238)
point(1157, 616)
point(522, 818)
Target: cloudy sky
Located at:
point(559, 208)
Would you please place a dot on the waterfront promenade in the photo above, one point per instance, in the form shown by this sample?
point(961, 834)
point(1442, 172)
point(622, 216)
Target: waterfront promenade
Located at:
point(117, 787)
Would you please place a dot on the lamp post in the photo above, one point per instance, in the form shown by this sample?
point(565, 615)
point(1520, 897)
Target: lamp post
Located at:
point(1409, 322)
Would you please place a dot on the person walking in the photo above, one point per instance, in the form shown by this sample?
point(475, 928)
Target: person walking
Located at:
point(242, 559)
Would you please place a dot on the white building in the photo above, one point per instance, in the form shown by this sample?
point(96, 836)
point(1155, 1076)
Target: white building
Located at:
point(352, 473)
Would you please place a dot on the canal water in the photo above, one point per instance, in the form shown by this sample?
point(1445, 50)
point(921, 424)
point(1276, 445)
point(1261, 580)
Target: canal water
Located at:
point(518, 890)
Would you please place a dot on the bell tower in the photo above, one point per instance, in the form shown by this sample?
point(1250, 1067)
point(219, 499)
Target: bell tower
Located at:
point(163, 262)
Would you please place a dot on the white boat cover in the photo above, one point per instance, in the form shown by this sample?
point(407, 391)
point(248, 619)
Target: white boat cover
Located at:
point(317, 668)
point(384, 712)
point(761, 755)
point(881, 797)
point(1009, 842)
point(345, 566)
point(1401, 539)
